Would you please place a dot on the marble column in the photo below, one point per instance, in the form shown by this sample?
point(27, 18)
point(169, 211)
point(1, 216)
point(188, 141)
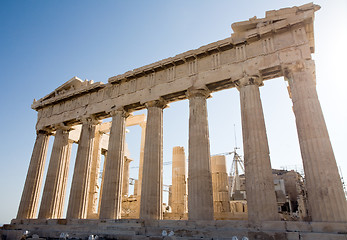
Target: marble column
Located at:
point(31, 192)
point(170, 196)
point(139, 181)
point(221, 200)
point(78, 200)
point(53, 191)
point(125, 188)
point(111, 200)
point(261, 198)
point(200, 199)
point(64, 179)
point(135, 188)
point(179, 181)
point(152, 175)
point(94, 175)
point(326, 198)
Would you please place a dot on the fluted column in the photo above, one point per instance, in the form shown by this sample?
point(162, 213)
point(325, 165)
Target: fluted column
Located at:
point(54, 191)
point(170, 196)
point(125, 188)
point(179, 181)
point(200, 199)
point(221, 199)
point(139, 181)
point(31, 192)
point(94, 175)
point(78, 200)
point(152, 175)
point(261, 198)
point(111, 200)
point(326, 199)
point(64, 179)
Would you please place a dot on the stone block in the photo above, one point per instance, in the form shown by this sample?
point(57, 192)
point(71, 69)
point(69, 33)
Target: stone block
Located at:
point(153, 231)
point(16, 221)
point(322, 236)
point(329, 227)
point(234, 224)
point(222, 234)
point(207, 223)
point(171, 223)
point(298, 227)
point(273, 226)
point(39, 221)
point(8, 227)
point(267, 236)
point(151, 223)
point(169, 238)
point(62, 221)
point(139, 237)
point(155, 238)
point(288, 56)
point(52, 221)
point(293, 236)
point(12, 234)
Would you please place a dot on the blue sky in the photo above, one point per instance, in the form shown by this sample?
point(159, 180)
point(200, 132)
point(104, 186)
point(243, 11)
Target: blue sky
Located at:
point(45, 43)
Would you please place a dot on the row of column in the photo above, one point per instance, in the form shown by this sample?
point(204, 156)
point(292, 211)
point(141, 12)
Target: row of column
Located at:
point(325, 194)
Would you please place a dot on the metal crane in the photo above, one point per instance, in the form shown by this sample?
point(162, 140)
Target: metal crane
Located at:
point(234, 171)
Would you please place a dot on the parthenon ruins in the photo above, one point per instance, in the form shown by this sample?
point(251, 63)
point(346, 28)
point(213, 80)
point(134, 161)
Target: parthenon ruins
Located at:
point(259, 49)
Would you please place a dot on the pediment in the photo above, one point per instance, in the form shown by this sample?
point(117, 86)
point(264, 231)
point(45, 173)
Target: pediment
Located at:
point(73, 84)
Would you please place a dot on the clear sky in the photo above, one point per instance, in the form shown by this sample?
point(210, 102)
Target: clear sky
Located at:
point(45, 43)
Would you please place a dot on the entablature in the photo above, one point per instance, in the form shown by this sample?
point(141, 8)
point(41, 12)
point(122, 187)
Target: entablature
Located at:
point(249, 51)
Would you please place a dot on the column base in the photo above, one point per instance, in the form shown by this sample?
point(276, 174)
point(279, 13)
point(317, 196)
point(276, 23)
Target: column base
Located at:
point(141, 229)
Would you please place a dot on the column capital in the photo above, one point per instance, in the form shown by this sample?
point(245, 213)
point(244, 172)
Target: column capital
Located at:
point(161, 103)
point(143, 124)
point(298, 66)
point(120, 111)
point(192, 92)
point(45, 131)
point(92, 120)
point(127, 160)
point(249, 80)
point(63, 126)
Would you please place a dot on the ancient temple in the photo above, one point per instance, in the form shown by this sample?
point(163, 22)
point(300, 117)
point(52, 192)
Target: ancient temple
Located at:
point(279, 45)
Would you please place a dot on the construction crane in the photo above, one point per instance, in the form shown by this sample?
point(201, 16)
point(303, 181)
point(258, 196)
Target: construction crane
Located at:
point(132, 181)
point(235, 165)
point(234, 171)
point(166, 188)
